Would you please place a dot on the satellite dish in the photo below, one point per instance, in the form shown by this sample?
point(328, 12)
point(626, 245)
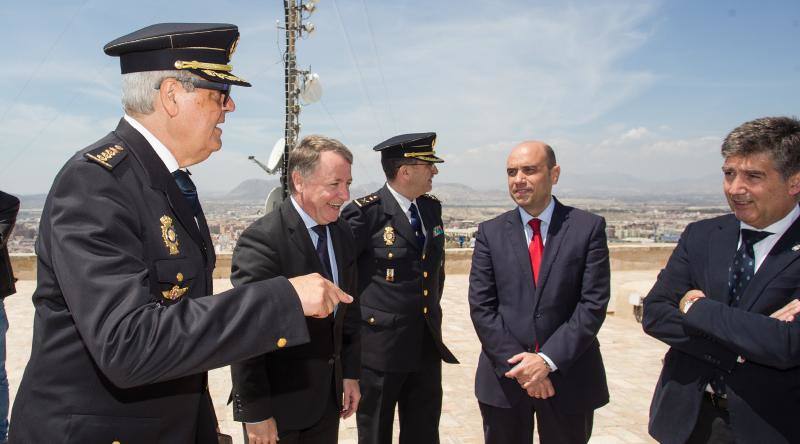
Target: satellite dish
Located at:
point(311, 90)
point(276, 155)
point(274, 199)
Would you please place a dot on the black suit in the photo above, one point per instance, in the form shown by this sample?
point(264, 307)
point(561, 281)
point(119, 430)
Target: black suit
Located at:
point(295, 385)
point(563, 314)
point(9, 206)
point(400, 286)
point(763, 391)
point(125, 325)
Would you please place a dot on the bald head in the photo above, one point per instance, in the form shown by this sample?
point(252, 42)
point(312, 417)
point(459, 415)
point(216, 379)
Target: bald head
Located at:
point(532, 171)
point(538, 148)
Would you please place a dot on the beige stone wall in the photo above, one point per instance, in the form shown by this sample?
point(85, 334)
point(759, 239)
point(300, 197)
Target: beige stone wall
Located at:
point(633, 270)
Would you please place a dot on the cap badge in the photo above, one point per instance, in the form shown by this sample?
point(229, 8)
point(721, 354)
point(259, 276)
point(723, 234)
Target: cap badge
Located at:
point(169, 235)
point(388, 235)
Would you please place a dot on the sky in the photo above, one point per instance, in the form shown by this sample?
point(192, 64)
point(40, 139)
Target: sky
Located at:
point(635, 88)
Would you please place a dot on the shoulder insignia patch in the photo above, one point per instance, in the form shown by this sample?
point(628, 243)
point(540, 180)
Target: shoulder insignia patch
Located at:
point(108, 156)
point(367, 200)
point(431, 197)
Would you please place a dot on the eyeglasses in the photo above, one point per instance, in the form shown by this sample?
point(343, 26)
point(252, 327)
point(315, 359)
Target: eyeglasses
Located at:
point(223, 88)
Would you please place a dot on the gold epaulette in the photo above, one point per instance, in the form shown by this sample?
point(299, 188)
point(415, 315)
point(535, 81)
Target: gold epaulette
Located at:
point(431, 197)
point(107, 156)
point(367, 200)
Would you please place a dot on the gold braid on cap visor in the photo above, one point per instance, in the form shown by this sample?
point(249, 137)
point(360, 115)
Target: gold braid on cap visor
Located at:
point(421, 153)
point(180, 64)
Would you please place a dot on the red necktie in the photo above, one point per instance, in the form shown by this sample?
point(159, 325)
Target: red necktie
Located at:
point(536, 247)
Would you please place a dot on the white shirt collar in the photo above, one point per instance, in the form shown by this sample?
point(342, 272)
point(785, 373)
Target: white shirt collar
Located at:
point(307, 220)
point(163, 152)
point(545, 216)
point(779, 227)
point(403, 201)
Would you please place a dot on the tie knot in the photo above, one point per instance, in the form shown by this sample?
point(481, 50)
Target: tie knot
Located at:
point(413, 210)
point(536, 225)
point(752, 237)
point(183, 180)
point(321, 231)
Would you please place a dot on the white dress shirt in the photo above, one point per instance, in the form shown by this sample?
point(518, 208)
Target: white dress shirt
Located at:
point(405, 205)
point(163, 153)
point(311, 223)
point(762, 248)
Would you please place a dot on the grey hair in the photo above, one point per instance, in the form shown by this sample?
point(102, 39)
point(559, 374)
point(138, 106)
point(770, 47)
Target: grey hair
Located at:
point(139, 89)
point(777, 136)
point(305, 157)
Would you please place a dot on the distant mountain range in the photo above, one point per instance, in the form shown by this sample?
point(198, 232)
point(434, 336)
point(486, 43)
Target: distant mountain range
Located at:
point(705, 190)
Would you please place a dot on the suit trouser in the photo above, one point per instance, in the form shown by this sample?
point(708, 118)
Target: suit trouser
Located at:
point(514, 425)
point(417, 395)
point(324, 431)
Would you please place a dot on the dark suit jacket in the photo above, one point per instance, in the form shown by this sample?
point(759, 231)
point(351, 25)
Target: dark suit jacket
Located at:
point(400, 285)
point(293, 385)
point(764, 391)
point(113, 357)
point(563, 313)
point(9, 206)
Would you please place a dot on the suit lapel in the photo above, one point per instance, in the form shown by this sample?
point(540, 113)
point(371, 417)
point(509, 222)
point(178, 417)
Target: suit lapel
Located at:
point(556, 232)
point(781, 255)
point(342, 260)
point(161, 179)
point(298, 233)
point(722, 245)
point(515, 235)
point(398, 216)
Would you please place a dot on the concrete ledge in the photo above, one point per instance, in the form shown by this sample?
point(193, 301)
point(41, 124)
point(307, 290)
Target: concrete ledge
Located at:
point(633, 269)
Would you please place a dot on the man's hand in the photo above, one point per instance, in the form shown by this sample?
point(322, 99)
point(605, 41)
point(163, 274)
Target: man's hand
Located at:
point(264, 432)
point(318, 296)
point(689, 298)
point(529, 367)
point(541, 390)
point(352, 396)
point(788, 312)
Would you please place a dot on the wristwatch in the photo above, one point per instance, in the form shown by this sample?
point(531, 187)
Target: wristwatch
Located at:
point(687, 306)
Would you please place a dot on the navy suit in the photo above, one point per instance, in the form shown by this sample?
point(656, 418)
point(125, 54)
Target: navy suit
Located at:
point(764, 391)
point(295, 385)
point(562, 314)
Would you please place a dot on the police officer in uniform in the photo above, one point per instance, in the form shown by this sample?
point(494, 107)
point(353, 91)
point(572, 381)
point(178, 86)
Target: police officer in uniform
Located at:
point(400, 247)
point(126, 324)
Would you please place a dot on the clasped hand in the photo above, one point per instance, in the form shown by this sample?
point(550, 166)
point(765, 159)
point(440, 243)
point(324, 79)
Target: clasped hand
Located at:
point(532, 374)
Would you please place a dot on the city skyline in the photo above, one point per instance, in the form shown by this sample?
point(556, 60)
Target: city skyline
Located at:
point(646, 89)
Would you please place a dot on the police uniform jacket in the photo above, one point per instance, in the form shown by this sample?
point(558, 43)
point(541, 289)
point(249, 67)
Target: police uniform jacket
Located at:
point(400, 285)
point(126, 325)
point(9, 206)
point(294, 385)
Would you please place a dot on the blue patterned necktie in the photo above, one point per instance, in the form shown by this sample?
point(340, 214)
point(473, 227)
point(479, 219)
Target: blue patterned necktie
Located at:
point(322, 250)
point(743, 267)
point(188, 189)
point(740, 274)
point(416, 225)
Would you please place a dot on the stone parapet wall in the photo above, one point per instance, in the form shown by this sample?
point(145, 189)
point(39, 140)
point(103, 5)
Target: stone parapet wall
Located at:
point(633, 269)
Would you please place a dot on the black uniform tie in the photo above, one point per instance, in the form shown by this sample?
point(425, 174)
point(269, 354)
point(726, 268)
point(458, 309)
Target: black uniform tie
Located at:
point(416, 225)
point(188, 189)
point(322, 250)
